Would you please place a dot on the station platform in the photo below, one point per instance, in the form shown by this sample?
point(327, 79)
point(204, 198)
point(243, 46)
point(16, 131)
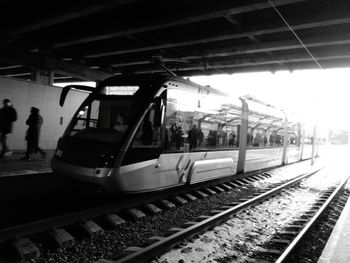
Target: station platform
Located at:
point(21, 179)
point(13, 165)
point(337, 249)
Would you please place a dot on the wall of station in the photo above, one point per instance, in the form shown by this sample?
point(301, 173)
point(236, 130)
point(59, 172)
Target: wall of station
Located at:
point(26, 94)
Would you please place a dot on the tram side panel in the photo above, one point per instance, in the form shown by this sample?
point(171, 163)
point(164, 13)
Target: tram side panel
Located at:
point(197, 144)
point(169, 132)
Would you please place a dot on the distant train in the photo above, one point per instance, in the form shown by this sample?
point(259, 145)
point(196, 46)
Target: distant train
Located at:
point(146, 133)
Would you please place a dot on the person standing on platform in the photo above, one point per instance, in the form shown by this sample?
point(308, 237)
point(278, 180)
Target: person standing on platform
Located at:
point(8, 116)
point(34, 122)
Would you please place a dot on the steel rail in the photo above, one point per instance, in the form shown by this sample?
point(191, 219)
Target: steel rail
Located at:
point(163, 245)
point(307, 227)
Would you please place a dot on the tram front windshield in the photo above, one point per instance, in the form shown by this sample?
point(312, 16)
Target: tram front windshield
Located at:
point(103, 119)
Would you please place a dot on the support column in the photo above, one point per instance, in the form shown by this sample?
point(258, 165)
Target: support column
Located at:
point(302, 138)
point(314, 139)
point(285, 139)
point(243, 137)
point(42, 76)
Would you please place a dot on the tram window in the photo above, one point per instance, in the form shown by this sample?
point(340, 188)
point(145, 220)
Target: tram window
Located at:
point(149, 132)
point(199, 122)
point(294, 134)
point(102, 120)
point(87, 117)
point(146, 143)
point(265, 127)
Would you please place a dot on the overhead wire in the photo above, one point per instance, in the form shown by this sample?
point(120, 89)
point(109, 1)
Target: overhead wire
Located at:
point(295, 34)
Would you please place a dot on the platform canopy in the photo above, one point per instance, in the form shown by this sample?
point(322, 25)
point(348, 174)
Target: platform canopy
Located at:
point(94, 39)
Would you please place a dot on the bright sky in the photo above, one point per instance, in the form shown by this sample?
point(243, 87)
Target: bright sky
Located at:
point(324, 94)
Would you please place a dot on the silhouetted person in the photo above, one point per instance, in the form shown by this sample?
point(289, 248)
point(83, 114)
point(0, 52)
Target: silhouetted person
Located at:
point(34, 122)
point(8, 115)
point(232, 139)
point(272, 140)
point(200, 137)
point(278, 140)
point(178, 137)
point(193, 137)
point(248, 138)
point(172, 131)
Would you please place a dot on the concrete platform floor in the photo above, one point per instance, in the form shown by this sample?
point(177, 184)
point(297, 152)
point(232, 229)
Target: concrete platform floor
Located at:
point(337, 249)
point(13, 165)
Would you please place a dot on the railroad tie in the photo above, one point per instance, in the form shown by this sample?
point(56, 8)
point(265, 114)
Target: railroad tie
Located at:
point(115, 220)
point(62, 238)
point(265, 174)
point(153, 209)
point(215, 212)
point(329, 225)
point(167, 204)
point(310, 213)
point(260, 177)
point(26, 249)
point(201, 194)
point(288, 233)
point(218, 189)
point(245, 181)
point(238, 183)
point(172, 231)
point(135, 214)
point(268, 251)
point(226, 207)
point(153, 240)
point(256, 177)
point(226, 187)
point(301, 221)
point(250, 179)
point(91, 228)
point(232, 185)
point(209, 191)
point(179, 200)
point(190, 197)
point(283, 242)
point(333, 221)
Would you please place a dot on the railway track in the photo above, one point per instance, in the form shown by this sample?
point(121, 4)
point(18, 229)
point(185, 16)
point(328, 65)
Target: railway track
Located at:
point(56, 226)
point(160, 245)
point(281, 248)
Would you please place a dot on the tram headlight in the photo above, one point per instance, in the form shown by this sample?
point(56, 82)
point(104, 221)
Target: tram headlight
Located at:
point(107, 160)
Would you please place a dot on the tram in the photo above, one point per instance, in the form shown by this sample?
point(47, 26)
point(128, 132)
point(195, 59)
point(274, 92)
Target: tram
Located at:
point(147, 133)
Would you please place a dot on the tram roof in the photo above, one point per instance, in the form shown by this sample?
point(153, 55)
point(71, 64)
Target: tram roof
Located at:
point(96, 39)
point(169, 81)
